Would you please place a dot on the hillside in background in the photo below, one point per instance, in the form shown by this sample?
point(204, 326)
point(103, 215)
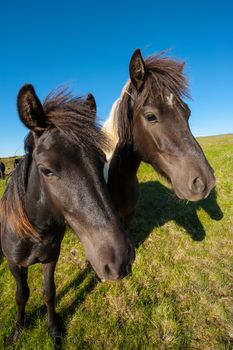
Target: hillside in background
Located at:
point(180, 293)
point(9, 163)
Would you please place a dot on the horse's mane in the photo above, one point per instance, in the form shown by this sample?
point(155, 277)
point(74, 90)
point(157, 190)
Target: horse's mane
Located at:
point(12, 204)
point(72, 117)
point(163, 75)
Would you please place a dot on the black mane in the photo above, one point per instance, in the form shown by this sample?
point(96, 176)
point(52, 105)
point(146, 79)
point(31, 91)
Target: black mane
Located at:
point(73, 118)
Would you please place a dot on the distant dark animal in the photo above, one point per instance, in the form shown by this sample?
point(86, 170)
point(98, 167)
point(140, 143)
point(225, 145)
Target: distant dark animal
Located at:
point(2, 170)
point(149, 122)
point(16, 162)
point(59, 180)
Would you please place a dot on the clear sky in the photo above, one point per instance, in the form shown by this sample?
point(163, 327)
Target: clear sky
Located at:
point(89, 44)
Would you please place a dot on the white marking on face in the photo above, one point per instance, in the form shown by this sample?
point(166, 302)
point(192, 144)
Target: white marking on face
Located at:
point(170, 100)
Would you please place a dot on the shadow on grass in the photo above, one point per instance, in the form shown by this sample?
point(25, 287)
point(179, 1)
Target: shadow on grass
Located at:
point(89, 280)
point(74, 284)
point(158, 205)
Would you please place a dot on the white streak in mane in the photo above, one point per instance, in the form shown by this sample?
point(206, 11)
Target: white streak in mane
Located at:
point(170, 100)
point(110, 129)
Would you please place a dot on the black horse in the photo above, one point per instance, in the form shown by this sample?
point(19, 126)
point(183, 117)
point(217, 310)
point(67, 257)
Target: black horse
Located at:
point(59, 181)
point(16, 162)
point(2, 170)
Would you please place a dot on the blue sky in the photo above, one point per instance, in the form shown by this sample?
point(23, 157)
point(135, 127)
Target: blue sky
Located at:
point(89, 44)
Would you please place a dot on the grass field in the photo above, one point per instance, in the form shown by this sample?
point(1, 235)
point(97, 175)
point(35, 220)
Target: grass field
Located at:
point(180, 293)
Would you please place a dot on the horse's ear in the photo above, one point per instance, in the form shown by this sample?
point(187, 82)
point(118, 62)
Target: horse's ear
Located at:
point(30, 109)
point(137, 70)
point(90, 101)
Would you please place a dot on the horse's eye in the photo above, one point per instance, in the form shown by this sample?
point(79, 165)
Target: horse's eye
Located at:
point(151, 118)
point(46, 171)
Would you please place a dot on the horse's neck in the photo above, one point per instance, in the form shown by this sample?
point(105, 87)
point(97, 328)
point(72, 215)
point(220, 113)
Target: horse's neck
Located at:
point(121, 167)
point(122, 170)
point(124, 164)
point(121, 158)
point(110, 128)
point(123, 161)
point(122, 182)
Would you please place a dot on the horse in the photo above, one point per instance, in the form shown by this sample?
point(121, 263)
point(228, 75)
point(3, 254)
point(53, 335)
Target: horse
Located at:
point(16, 162)
point(2, 170)
point(60, 180)
point(149, 122)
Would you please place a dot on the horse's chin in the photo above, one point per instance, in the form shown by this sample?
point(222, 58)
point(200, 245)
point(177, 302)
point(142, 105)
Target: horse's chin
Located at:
point(163, 174)
point(189, 196)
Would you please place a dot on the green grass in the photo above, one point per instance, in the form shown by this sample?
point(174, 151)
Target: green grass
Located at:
point(180, 293)
point(9, 163)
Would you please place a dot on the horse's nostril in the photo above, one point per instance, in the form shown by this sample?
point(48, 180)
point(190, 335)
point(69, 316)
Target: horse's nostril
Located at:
point(107, 269)
point(119, 268)
point(198, 185)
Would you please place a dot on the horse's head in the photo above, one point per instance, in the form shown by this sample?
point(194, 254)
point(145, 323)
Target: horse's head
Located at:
point(156, 123)
point(65, 146)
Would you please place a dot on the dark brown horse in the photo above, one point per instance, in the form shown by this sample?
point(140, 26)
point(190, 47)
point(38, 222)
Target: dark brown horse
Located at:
point(149, 122)
point(59, 181)
point(2, 170)
point(16, 162)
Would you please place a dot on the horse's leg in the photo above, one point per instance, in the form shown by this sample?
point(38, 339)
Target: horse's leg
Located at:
point(22, 294)
point(49, 298)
